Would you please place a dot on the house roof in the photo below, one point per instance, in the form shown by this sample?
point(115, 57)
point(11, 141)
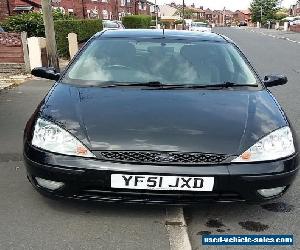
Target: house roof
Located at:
point(229, 12)
point(196, 10)
point(246, 12)
point(208, 11)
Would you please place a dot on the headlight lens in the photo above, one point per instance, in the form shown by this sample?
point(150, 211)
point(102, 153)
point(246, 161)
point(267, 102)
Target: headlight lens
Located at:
point(50, 137)
point(276, 145)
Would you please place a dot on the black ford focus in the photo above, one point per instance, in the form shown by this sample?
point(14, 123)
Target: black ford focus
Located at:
point(160, 117)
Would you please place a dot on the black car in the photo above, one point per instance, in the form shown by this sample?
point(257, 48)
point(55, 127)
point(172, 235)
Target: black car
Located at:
point(241, 24)
point(155, 116)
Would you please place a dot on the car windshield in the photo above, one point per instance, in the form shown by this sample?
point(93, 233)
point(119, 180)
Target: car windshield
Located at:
point(168, 61)
point(200, 25)
point(110, 25)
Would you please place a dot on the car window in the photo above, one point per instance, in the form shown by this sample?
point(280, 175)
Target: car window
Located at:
point(199, 25)
point(167, 61)
point(110, 25)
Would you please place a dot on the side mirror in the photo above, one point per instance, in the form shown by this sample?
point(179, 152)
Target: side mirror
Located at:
point(47, 73)
point(275, 80)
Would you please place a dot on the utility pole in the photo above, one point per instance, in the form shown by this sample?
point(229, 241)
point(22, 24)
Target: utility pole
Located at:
point(224, 16)
point(156, 14)
point(50, 34)
point(183, 22)
point(261, 14)
point(8, 7)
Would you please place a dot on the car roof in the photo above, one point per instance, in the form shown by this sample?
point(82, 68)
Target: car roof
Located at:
point(160, 33)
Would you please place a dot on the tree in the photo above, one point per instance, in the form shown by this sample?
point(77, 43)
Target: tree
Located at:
point(188, 13)
point(281, 13)
point(264, 10)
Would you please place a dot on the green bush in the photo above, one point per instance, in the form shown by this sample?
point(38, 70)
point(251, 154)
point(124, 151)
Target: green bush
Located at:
point(137, 22)
point(31, 22)
point(84, 29)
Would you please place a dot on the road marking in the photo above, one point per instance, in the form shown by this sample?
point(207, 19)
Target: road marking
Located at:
point(273, 36)
point(177, 229)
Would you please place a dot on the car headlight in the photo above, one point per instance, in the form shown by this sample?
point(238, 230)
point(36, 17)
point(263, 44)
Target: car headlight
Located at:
point(276, 145)
point(51, 137)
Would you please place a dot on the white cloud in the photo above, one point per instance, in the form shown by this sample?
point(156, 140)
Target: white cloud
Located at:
point(220, 4)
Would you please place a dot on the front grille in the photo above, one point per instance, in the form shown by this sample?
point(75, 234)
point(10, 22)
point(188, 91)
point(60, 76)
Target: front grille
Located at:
point(148, 157)
point(151, 197)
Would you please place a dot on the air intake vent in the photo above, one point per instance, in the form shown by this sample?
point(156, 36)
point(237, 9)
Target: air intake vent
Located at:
point(152, 157)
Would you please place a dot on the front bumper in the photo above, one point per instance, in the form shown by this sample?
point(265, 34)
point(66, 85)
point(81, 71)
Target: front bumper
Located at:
point(89, 179)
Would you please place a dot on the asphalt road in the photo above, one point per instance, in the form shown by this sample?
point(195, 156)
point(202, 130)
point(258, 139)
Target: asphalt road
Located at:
point(29, 221)
point(268, 55)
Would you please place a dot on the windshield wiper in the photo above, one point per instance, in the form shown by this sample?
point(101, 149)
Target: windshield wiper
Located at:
point(205, 86)
point(157, 85)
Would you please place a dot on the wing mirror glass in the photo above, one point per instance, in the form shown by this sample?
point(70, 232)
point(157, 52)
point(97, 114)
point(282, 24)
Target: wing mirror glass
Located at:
point(46, 72)
point(275, 80)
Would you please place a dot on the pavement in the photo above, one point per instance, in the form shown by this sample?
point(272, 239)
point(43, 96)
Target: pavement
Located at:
point(30, 221)
point(7, 80)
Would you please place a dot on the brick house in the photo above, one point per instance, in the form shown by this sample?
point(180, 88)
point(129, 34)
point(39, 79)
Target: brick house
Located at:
point(242, 16)
point(295, 9)
point(198, 13)
point(217, 17)
point(104, 9)
point(209, 15)
point(228, 16)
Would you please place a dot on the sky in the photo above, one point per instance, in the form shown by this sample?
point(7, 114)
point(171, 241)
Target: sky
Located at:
point(220, 4)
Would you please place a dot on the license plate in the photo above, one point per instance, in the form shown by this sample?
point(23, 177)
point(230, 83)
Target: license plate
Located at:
point(154, 182)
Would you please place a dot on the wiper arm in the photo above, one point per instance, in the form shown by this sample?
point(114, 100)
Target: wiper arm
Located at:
point(232, 84)
point(135, 84)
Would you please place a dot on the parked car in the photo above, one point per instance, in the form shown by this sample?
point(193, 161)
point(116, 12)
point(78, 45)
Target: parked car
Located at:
point(296, 22)
point(153, 116)
point(112, 25)
point(200, 26)
point(1, 29)
point(241, 24)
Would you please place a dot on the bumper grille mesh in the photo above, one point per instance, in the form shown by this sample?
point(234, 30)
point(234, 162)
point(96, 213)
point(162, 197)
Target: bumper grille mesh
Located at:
point(144, 157)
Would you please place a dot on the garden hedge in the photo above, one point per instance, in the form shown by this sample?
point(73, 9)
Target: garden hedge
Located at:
point(84, 29)
point(137, 22)
point(31, 22)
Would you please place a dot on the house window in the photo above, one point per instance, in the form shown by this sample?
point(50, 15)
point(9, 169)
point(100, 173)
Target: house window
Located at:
point(123, 2)
point(105, 14)
point(94, 13)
